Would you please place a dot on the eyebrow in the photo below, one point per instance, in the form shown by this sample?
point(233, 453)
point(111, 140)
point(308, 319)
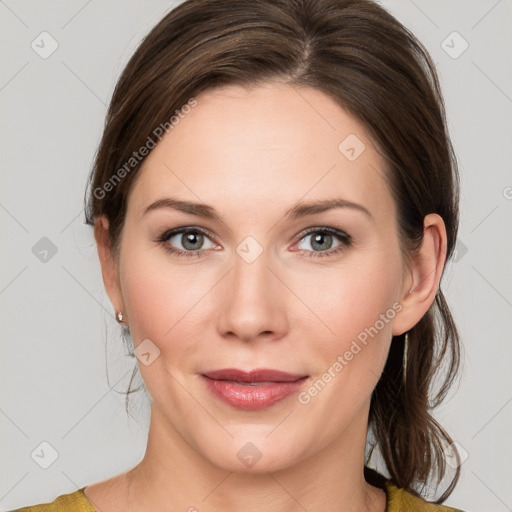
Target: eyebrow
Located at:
point(299, 210)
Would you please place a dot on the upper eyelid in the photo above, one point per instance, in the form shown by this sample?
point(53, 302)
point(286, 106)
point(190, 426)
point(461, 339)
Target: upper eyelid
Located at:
point(177, 231)
point(341, 234)
point(326, 229)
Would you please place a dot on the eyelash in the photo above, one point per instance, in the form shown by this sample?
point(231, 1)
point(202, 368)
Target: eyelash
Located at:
point(344, 238)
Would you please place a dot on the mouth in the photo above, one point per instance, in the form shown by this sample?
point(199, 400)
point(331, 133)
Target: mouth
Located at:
point(252, 390)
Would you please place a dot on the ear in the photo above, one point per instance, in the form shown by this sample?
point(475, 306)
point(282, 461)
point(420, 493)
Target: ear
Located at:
point(425, 271)
point(109, 266)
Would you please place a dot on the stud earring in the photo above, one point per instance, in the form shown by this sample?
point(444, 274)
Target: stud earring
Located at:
point(119, 318)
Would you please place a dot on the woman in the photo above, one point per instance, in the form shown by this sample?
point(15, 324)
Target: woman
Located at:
point(274, 200)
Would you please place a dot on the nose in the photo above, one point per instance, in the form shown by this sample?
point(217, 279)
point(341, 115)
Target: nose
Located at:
point(253, 301)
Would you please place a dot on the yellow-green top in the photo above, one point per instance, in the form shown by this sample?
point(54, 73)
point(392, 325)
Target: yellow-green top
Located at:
point(398, 500)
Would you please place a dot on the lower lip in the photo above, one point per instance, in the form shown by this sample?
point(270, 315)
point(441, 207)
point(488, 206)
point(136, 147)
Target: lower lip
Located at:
point(252, 398)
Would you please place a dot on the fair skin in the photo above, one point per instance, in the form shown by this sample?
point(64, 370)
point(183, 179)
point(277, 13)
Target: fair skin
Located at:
point(252, 155)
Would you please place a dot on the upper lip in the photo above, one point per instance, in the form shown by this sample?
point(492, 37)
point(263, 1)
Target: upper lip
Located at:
point(259, 375)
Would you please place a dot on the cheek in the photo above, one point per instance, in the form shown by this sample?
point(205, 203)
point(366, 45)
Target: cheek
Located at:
point(162, 299)
point(358, 304)
point(354, 298)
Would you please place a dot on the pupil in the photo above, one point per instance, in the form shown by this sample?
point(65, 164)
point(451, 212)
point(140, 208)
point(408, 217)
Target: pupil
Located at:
point(318, 239)
point(191, 239)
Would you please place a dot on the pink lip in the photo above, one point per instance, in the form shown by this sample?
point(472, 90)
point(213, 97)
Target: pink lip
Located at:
point(237, 387)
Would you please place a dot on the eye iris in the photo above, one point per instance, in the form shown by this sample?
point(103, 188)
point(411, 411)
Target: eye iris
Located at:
point(319, 239)
point(192, 238)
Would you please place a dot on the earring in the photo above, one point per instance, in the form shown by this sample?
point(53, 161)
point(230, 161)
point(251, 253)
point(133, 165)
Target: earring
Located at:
point(406, 347)
point(119, 318)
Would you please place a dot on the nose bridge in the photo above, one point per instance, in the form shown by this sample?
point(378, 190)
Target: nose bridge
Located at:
point(250, 276)
point(252, 302)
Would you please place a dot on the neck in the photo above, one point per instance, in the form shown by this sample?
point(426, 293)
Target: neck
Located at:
point(173, 473)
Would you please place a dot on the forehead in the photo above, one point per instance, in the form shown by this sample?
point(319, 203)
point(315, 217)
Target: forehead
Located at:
point(270, 145)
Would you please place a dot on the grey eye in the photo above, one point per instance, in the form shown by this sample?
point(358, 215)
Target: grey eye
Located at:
point(190, 240)
point(320, 241)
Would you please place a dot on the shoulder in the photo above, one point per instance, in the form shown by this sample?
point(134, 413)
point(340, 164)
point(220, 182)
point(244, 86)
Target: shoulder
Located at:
point(400, 500)
point(72, 502)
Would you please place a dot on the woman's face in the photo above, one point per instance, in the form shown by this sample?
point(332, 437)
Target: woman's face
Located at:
point(258, 287)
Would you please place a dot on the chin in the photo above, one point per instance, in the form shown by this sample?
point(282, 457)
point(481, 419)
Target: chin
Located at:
point(255, 455)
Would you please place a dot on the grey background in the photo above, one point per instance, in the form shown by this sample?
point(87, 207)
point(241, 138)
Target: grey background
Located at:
point(59, 337)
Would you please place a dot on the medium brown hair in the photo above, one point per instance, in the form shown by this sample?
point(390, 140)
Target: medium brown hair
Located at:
point(368, 62)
